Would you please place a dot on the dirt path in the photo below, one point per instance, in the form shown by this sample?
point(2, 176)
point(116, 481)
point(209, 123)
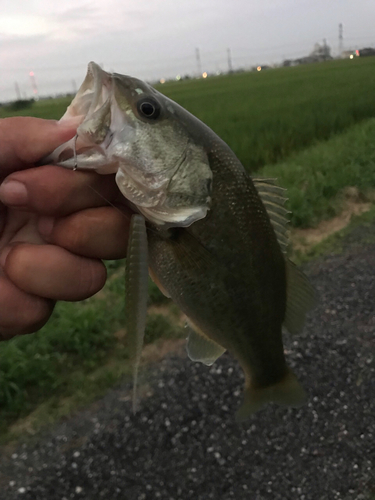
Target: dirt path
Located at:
point(184, 443)
point(303, 239)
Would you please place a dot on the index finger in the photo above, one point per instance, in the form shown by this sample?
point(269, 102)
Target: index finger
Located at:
point(55, 191)
point(25, 140)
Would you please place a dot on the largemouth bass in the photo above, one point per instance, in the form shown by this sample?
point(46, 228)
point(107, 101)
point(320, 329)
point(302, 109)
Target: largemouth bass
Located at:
point(215, 236)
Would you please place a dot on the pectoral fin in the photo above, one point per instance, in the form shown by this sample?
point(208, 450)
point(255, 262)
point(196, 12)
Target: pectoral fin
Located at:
point(136, 292)
point(201, 348)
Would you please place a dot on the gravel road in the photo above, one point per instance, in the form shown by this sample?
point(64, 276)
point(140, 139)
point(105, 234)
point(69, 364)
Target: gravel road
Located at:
point(184, 443)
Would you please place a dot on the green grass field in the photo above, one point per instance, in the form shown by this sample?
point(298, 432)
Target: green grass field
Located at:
point(312, 127)
point(316, 177)
point(266, 116)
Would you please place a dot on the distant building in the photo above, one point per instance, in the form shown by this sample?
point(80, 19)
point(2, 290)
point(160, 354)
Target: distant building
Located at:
point(347, 54)
point(320, 52)
point(368, 51)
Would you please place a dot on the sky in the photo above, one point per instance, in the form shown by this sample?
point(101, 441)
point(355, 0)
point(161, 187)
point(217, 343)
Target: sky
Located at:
point(153, 39)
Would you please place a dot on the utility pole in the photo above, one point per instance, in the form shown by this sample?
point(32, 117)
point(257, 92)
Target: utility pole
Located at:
point(199, 64)
point(341, 39)
point(18, 93)
point(230, 67)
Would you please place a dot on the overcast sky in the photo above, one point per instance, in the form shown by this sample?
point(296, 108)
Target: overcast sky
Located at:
point(152, 39)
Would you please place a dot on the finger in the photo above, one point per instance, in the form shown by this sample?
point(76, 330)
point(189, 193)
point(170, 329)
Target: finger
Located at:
point(3, 211)
point(53, 272)
point(55, 191)
point(21, 312)
point(25, 140)
point(100, 233)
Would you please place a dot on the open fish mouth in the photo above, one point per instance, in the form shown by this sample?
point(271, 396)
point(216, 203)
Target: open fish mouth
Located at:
point(93, 93)
point(92, 110)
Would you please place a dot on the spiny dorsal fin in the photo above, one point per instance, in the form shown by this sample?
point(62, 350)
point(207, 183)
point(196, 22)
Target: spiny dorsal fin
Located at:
point(273, 200)
point(300, 298)
point(201, 348)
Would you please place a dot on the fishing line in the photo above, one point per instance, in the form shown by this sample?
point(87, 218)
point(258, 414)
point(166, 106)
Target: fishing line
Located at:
point(109, 202)
point(75, 152)
point(75, 168)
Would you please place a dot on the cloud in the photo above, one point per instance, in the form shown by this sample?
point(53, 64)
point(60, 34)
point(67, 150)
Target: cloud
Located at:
point(23, 25)
point(20, 41)
point(154, 38)
point(74, 14)
point(21, 50)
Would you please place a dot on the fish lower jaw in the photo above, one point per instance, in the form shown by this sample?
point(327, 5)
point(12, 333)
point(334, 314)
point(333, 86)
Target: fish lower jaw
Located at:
point(183, 217)
point(136, 193)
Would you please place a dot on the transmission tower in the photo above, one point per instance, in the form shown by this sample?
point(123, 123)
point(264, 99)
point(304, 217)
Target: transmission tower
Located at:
point(341, 39)
point(230, 67)
point(18, 93)
point(34, 85)
point(199, 65)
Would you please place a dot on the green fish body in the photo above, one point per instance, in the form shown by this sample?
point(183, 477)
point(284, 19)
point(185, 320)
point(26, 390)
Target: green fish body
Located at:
point(215, 235)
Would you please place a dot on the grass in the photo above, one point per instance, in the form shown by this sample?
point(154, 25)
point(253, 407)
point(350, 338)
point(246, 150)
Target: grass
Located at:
point(292, 114)
point(266, 116)
point(316, 178)
point(79, 354)
point(51, 109)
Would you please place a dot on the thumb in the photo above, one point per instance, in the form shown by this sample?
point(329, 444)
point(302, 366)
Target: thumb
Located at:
point(25, 140)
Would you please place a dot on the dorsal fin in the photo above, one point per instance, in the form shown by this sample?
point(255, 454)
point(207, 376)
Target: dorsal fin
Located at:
point(300, 298)
point(273, 200)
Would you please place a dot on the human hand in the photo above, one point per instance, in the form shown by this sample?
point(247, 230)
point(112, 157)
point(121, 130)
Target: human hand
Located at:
point(55, 225)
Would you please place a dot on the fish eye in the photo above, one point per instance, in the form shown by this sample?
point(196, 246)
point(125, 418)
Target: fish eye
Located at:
point(148, 108)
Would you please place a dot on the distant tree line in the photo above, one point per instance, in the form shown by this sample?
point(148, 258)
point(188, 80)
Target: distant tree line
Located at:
point(20, 104)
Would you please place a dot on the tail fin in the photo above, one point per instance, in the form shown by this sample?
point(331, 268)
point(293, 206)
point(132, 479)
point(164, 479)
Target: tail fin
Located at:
point(287, 392)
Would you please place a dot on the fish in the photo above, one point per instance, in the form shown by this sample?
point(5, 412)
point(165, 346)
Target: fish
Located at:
point(216, 237)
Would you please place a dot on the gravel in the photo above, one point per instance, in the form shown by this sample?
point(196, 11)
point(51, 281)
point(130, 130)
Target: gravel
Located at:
point(184, 442)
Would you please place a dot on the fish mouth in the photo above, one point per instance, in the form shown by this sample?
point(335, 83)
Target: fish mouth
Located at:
point(90, 110)
point(92, 94)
